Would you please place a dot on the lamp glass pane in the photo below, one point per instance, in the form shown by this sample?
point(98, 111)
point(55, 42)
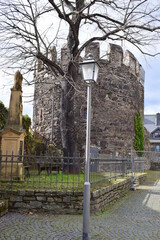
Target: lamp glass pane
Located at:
point(96, 72)
point(87, 70)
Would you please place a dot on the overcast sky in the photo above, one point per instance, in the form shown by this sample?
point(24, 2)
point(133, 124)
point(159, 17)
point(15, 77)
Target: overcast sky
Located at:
point(151, 88)
point(150, 65)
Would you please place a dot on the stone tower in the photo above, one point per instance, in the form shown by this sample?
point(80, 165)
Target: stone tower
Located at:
point(116, 99)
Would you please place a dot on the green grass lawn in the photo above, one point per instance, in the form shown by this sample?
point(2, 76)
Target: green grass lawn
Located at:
point(53, 181)
point(153, 176)
point(61, 181)
point(56, 181)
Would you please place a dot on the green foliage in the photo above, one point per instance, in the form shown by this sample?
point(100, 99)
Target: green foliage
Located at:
point(38, 147)
point(41, 147)
point(26, 122)
point(3, 115)
point(139, 134)
point(32, 145)
point(53, 151)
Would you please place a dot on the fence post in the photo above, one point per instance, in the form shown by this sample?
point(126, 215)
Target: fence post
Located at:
point(0, 163)
point(123, 167)
point(11, 178)
point(132, 173)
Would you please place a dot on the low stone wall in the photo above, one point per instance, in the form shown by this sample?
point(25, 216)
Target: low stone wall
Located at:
point(68, 202)
point(100, 199)
point(142, 178)
point(3, 207)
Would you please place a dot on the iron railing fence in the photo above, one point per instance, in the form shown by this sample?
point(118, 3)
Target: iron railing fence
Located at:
point(41, 172)
point(112, 168)
point(67, 173)
point(147, 156)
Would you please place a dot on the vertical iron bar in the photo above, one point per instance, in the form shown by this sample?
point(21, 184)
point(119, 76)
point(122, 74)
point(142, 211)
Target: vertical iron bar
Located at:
point(0, 163)
point(79, 171)
point(73, 167)
point(57, 171)
point(52, 114)
point(46, 168)
point(132, 177)
point(18, 160)
point(11, 178)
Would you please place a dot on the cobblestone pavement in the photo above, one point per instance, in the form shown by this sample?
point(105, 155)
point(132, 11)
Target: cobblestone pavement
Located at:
point(134, 217)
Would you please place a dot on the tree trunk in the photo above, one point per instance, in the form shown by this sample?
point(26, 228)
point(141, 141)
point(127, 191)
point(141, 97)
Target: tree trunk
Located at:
point(67, 119)
point(68, 134)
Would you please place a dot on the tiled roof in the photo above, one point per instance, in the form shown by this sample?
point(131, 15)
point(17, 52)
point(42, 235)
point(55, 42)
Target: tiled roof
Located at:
point(150, 122)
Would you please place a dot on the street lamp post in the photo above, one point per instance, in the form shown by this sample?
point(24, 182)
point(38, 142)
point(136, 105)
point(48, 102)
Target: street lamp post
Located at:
point(90, 73)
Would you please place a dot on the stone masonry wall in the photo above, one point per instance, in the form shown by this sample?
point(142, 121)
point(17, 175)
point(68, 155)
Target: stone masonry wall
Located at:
point(116, 99)
point(59, 202)
point(46, 108)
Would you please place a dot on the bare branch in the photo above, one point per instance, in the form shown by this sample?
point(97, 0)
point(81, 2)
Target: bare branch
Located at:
point(29, 28)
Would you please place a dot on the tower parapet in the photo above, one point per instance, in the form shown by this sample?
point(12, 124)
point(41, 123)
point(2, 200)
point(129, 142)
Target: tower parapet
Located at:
point(39, 65)
point(94, 49)
point(115, 55)
point(52, 54)
point(64, 56)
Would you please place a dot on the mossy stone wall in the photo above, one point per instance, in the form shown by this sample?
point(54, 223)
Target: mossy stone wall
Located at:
point(64, 202)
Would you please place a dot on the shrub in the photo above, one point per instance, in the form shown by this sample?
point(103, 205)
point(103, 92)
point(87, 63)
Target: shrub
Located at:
point(139, 134)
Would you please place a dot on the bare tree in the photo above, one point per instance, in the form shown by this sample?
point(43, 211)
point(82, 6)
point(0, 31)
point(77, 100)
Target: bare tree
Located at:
point(28, 28)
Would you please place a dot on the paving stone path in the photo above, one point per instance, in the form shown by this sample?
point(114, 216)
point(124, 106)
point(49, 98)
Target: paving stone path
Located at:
point(134, 217)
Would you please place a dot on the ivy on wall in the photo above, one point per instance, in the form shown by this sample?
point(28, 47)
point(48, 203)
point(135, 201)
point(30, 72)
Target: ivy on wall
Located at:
point(139, 134)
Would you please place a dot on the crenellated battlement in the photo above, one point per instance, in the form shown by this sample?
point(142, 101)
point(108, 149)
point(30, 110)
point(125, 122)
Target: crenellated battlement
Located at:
point(117, 57)
point(114, 55)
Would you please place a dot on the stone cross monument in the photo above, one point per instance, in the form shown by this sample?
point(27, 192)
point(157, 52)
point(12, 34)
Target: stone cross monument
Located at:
point(13, 134)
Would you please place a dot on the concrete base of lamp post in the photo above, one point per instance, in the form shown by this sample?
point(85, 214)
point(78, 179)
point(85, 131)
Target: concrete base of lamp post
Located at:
point(86, 211)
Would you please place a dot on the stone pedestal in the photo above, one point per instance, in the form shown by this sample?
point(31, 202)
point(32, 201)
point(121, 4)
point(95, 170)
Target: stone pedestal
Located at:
point(11, 171)
point(12, 142)
point(12, 148)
